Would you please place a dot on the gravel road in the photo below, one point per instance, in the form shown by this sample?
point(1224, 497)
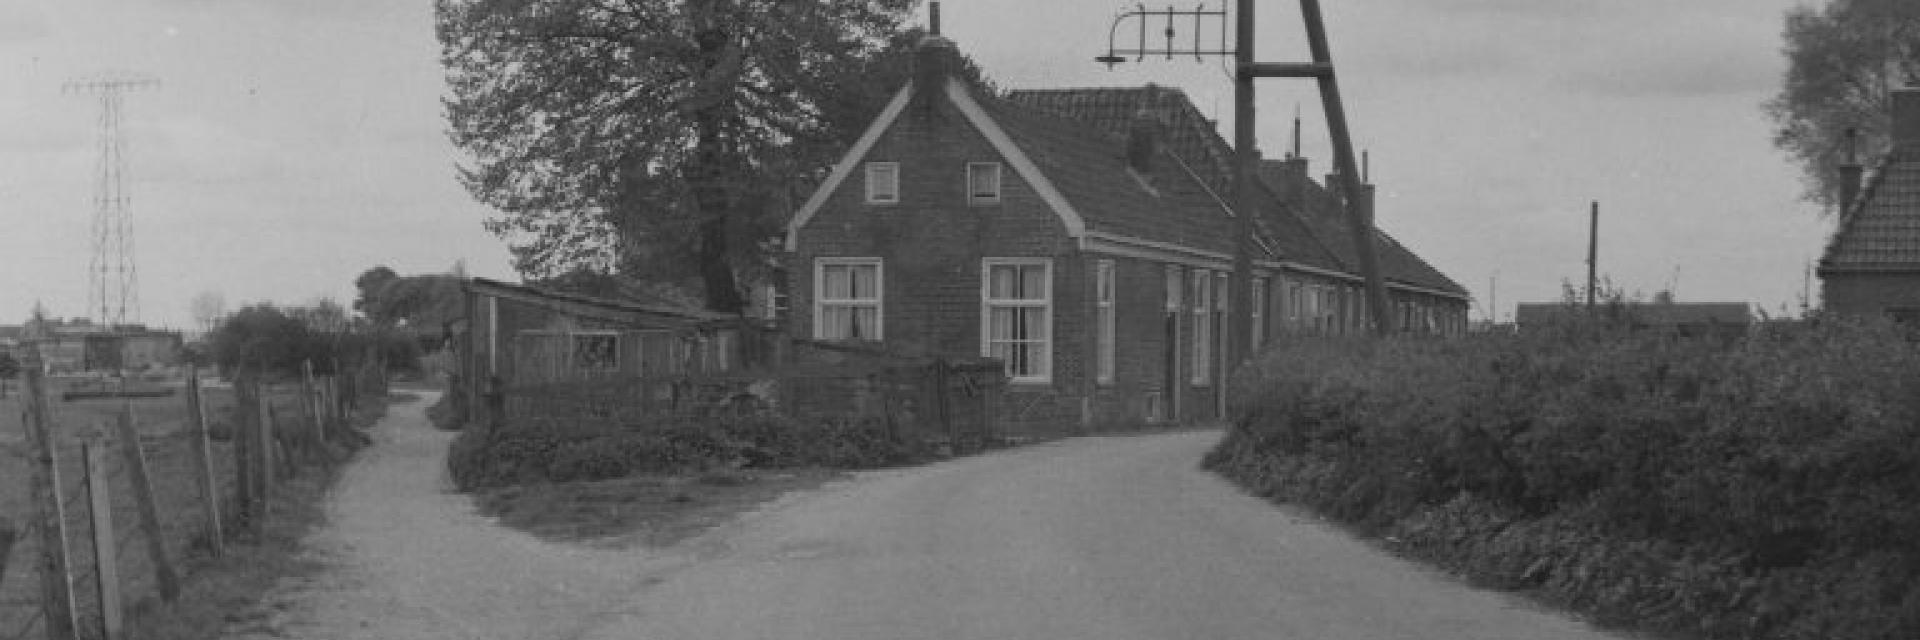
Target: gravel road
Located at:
point(1097, 538)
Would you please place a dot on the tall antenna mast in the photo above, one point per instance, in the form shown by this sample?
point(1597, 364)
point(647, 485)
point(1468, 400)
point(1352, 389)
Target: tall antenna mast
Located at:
point(113, 294)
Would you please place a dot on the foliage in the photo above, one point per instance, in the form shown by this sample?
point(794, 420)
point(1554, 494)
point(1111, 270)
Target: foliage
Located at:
point(424, 301)
point(1843, 59)
point(648, 136)
point(282, 340)
point(1754, 488)
point(520, 455)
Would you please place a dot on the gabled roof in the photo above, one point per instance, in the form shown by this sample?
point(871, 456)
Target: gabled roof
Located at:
point(1881, 232)
point(1315, 233)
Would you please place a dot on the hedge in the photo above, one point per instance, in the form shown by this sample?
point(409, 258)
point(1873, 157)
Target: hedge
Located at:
point(521, 455)
point(1763, 487)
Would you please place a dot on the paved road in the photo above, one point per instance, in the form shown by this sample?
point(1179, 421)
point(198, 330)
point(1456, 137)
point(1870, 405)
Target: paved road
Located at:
point(1099, 538)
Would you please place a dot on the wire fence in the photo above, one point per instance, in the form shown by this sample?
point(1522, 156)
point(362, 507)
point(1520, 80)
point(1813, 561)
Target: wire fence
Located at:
point(169, 441)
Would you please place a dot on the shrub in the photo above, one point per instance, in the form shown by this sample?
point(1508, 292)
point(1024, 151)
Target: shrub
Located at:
point(525, 454)
point(1722, 488)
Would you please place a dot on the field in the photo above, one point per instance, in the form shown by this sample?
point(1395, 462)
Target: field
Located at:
point(165, 441)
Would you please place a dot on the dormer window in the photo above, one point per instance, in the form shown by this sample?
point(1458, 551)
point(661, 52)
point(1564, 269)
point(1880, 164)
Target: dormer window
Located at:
point(883, 183)
point(983, 183)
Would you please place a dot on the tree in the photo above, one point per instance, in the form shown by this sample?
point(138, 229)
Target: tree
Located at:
point(653, 135)
point(207, 308)
point(420, 301)
point(1842, 60)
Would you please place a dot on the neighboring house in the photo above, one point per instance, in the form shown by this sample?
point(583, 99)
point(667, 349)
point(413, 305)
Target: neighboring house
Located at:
point(1692, 319)
point(1872, 263)
point(1091, 253)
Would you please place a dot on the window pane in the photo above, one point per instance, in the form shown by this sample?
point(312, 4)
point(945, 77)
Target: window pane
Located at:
point(1173, 288)
point(835, 322)
point(834, 282)
point(865, 322)
point(863, 282)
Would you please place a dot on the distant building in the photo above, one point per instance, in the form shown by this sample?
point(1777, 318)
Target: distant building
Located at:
point(1871, 265)
point(1682, 318)
point(73, 346)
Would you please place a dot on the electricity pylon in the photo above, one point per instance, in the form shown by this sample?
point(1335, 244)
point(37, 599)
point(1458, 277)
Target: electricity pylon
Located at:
point(113, 294)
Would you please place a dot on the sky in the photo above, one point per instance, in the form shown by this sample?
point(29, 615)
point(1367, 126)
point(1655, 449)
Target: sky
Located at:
point(292, 144)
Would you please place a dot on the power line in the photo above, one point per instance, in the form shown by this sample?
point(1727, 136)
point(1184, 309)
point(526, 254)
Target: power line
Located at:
point(113, 295)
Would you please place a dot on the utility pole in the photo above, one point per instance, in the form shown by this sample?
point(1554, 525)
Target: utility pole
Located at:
point(113, 295)
point(1593, 253)
point(1358, 203)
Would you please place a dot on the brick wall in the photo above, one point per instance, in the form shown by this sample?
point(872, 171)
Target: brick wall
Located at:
point(1869, 293)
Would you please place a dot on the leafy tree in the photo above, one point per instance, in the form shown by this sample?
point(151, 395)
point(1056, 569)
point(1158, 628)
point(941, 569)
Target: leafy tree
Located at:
point(1842, 60)
point(265, 336)
point(422, 301)
point(656, 136)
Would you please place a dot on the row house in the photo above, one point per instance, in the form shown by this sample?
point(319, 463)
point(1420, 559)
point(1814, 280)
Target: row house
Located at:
point(1082, 237)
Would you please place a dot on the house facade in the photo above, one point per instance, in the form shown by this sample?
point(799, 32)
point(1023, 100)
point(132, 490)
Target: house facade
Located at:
point(1090, 254)
point(1871, 265)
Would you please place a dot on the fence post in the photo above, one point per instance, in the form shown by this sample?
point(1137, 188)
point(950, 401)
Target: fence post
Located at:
point(264, 458)
point(202, 447)
point(56, 585)
point(106, 557)
point(7, 534)
point(143, 498)
point(310, 403)
point(243, 456)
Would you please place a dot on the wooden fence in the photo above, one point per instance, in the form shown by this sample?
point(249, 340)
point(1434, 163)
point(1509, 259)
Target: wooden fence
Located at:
point(115, 508)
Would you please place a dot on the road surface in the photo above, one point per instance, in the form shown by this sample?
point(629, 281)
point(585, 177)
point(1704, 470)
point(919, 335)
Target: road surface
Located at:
point(1097, 538)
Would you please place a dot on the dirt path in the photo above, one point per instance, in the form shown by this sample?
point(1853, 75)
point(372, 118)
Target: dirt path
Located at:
point(409, 559)
point(1096, 538)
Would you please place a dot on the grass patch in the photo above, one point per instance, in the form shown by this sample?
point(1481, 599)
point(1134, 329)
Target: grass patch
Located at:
point(224, 595)
point(653, 510)
point(221, 594)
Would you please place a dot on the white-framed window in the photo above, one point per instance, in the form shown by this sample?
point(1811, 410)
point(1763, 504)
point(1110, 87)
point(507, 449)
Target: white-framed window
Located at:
point(1202, 287)
point(983, 183)
point(1103, 321)
point(1259, 313)
point(883, 183)
point(847, 301)
point(1016, 316)
point(1173, 289)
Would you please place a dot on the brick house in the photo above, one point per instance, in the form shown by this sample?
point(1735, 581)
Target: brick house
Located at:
point(1872, 263)
point(1089, 251)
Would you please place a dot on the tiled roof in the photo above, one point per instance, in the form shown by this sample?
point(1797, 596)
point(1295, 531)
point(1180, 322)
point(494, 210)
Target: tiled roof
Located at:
point(1882, 233)
point(1314, 233)
point(1089, 167)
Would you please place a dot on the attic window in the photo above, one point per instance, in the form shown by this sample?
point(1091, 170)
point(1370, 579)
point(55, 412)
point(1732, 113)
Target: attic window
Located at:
point(983, 183)
point(883, 183)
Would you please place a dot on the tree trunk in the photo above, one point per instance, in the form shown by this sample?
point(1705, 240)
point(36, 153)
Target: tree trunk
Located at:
point(709, 172)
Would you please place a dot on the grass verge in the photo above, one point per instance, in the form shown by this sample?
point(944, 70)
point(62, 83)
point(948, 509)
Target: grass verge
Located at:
point(651, 510)
point(224, 595)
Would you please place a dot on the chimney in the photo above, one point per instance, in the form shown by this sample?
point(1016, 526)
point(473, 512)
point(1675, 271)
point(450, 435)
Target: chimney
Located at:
point(1906, 119)
point(1143, 135)
point(932, 63)
point(1850, 174)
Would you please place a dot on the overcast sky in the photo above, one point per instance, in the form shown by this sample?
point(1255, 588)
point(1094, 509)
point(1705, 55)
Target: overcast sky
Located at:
point(293, 144)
